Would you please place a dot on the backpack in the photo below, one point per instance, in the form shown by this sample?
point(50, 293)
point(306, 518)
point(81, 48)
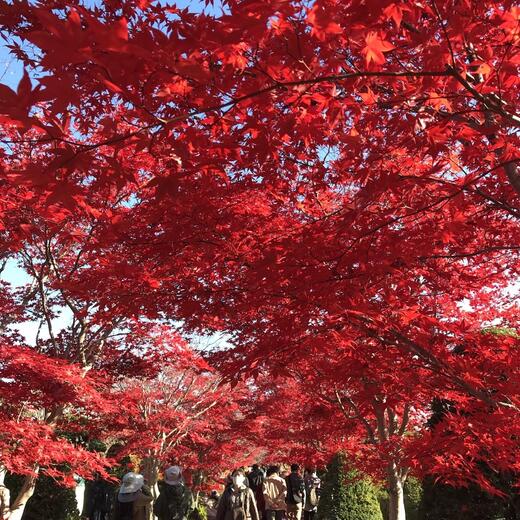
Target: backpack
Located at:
point(239, 513)
point(313, 497)
point(236, 503)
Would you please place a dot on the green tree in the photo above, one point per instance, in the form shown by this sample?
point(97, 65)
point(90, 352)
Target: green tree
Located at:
point(345, 496)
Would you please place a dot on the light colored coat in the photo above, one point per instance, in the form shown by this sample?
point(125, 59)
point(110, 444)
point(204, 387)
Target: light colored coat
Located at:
point(275, 492)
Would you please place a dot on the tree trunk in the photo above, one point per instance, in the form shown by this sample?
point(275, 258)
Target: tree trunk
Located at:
point(26, 492)
point(150, 472)
point(396, 509)
point(79, 492)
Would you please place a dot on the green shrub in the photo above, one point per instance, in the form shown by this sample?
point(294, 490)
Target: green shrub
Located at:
point(412, 499)
point(443, 502)
point(199, 513)
point(345, 496)
point(382, 497)
point(413, 492)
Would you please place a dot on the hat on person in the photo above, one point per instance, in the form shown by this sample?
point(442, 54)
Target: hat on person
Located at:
point(132, 482)
point(172, 474)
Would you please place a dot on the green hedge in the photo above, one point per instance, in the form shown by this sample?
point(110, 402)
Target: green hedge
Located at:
point(345, 496)
point(413, 492)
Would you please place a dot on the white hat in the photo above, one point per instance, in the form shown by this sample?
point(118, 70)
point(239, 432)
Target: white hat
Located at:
point(132, 482)
point(172, 474)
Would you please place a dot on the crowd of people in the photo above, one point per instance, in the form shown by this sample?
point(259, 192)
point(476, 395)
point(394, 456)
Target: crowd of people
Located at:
point(269, 496)
point(258, 494)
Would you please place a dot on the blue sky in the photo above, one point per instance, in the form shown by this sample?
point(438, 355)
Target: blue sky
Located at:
point(18, 277)
point(10, 69)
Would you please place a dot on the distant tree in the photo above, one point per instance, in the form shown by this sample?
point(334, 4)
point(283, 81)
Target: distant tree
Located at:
point(185, 415)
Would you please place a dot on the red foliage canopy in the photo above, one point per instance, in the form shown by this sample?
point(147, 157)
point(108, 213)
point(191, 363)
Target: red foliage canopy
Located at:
point(309, 178)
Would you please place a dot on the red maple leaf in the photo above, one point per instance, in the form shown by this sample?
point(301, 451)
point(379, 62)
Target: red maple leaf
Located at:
point(375, 47)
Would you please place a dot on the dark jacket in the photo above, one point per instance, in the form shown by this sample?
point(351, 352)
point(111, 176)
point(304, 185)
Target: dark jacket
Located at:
point(99, 500)
point(235, 502)
point(173, 502)
point(256, 479)
point(295, 488)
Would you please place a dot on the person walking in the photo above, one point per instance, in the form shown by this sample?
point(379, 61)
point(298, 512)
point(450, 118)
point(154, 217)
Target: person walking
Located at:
point(99, 499)
point(133, 500)
point(175, 500)
point(312, 494)
point(238, 501)
point(256, 479)
point(295, 493)
point(275, 494)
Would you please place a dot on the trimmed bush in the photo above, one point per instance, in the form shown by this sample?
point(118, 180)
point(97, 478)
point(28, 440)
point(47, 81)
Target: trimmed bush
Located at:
point(345, 496)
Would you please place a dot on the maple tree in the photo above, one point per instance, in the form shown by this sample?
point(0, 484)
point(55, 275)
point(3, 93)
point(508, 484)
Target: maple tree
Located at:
point(38, 408)
point(105, 373)
point(141, 388)
point(59, 389)
point(184, 415)
point(33, 422)
point(376, 406)
point(344, 406)
point(291, 173)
